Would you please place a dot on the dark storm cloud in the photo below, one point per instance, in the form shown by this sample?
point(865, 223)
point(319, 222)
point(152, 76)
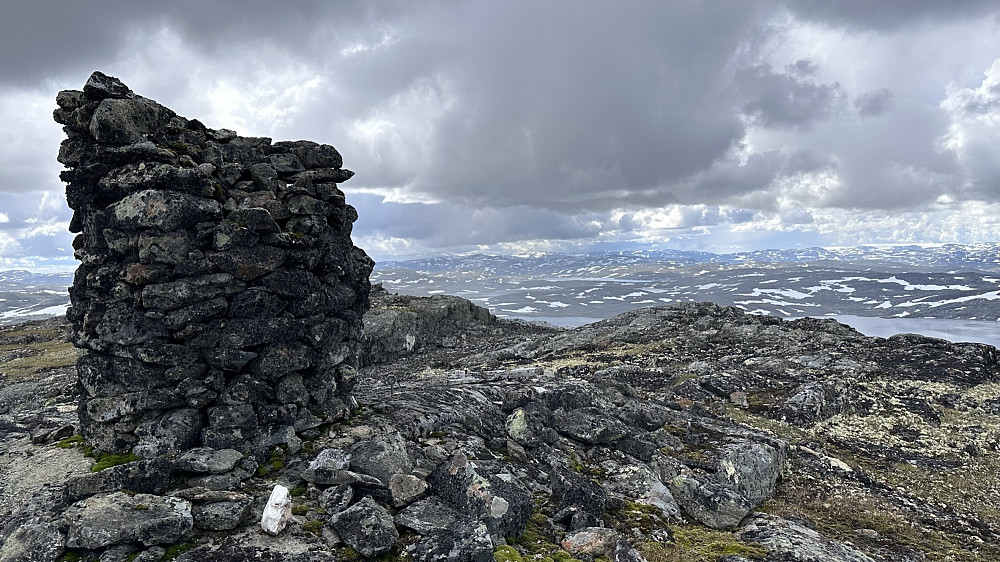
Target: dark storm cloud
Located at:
point(889, 14)
point(47, 38)
point(539, 120)
point(777, 99)
point(570, 109)
point(447, 224)
point(873, 103)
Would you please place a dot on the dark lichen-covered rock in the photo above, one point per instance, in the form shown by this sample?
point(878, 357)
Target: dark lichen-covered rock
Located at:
point(207, 259)
point(794, 542)
point(35, 541)
point(366, 527)
point(120, 518)
point(401, 326)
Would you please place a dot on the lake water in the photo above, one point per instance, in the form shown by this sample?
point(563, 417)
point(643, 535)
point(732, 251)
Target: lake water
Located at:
point(979, 331)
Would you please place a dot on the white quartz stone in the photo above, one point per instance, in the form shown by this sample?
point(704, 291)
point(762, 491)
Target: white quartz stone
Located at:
point(277, 511)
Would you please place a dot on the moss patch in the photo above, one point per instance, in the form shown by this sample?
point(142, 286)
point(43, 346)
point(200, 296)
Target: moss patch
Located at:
point(175, 550)
point(537, 543)
point(70, 442)
point(108, 460)
point(507, 553)
point(300, 509)
point(274, 463)
point(314, 527)
point(695, 543)
point(839, 511)
point(635, 515)
point(71, 556)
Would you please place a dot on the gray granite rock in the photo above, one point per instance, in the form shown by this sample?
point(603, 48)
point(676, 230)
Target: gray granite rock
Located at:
point(121, 518)
point(366, 527)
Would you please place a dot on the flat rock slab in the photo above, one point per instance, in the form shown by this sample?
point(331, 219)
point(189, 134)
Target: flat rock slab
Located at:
point(146, 476)
point(41, 473)
point(119, 518)
point(206, 460)
point(427, 515)
point(221, 516)
point(796, 543)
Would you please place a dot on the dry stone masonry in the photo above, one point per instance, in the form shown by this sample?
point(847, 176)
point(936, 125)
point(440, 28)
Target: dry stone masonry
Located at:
point(219, 297)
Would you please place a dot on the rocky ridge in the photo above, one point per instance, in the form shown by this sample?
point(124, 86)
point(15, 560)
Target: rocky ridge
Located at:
point(684, 432)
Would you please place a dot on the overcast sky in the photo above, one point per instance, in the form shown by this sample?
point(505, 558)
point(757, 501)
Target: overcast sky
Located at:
point(551, 125)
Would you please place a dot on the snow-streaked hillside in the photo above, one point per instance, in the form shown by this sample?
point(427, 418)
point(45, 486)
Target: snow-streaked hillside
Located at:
point(31, 296)
point(949, 281)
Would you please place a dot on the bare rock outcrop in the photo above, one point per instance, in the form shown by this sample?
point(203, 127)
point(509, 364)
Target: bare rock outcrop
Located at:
point(662, 433)
point(219, 297)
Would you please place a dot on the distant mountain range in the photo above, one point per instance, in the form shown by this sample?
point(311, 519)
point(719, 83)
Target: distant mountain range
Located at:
point(947, 281)
point(30, 296)
point(937, 258)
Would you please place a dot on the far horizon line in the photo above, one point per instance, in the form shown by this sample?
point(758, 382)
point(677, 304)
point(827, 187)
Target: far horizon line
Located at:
point(653, 248)
point(61, 268)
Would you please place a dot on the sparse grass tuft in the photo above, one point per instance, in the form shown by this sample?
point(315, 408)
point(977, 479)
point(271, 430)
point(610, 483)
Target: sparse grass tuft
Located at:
point(695, 543)
point(27, 361)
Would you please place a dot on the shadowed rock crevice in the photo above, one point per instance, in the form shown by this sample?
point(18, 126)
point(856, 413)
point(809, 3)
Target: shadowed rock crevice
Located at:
point(219, 297)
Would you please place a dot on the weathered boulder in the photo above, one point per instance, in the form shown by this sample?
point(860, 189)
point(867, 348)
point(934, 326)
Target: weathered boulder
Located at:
point(381, 457)
point(405, 488)
point(713, 504)
point(591, 541)
point(464, 540)
point(366, 527)
point(752, 469)
point(206, 460)
point(427, 515)
point(327, 466)
point(501, 503)
point(122, 518)
point(35, 541)
point(393, 331)
point(336, 498)
point(789, 540)
point(221, 516)
point(145, 476)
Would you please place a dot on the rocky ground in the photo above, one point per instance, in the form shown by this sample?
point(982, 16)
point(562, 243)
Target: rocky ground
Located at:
point(689, 432)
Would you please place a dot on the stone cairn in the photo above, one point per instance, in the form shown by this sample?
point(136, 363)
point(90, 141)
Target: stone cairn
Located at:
point(219, 297)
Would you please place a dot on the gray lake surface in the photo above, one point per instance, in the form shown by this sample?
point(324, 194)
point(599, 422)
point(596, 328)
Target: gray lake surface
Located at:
point(979, 331)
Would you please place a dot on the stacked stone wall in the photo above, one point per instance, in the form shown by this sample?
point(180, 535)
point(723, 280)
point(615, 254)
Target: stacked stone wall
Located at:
point(219, 296)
